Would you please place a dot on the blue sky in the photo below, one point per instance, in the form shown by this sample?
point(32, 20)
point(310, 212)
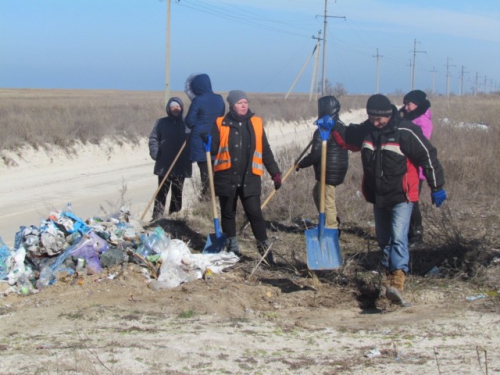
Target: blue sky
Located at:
point(253, 45)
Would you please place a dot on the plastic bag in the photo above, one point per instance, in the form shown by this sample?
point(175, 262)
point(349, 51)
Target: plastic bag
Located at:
point(4, 256)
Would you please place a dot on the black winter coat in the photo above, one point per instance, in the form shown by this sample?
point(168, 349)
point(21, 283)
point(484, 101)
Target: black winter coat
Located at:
point(241, 148)
point(165, 141)
point(337, 160)
point(390, 158)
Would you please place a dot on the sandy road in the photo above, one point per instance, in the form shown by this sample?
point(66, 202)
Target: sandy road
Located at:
point(93, 177)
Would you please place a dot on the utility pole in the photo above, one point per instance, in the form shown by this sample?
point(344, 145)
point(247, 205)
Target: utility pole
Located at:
point(377, 90)
point(448, 65)
point(325, 17)
point(485, 88)
point(462, 73)
point(410, 65)
point(433, 71)
point(476, 85)
point(167, 62)
point(414, 59)
point(314, 81)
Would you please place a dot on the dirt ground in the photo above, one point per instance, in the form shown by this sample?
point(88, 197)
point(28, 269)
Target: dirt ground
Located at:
point(281, 321)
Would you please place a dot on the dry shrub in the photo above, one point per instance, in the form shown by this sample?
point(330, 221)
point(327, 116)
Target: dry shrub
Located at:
point(461, 237)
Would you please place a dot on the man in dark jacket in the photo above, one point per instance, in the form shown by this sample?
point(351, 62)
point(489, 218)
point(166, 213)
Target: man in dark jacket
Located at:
point(337, 162)
point(392, 149)
point(165, 142)
point(204, 109)
point(242, 151)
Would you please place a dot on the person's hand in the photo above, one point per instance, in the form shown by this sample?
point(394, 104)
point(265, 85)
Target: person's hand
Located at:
point(438, 197)
point(204, 137)
point(277, 181)
point(297, 168)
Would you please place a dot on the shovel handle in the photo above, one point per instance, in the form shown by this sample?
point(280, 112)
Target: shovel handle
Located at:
point(207, 145)
point(165, 178)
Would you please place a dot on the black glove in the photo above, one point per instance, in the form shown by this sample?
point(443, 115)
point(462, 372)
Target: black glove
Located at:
point(204, 137)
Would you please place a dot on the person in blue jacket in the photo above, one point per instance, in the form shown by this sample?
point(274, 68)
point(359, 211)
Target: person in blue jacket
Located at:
point(204, 109)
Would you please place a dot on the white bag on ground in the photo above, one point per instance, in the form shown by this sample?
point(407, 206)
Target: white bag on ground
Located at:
point(180, 266)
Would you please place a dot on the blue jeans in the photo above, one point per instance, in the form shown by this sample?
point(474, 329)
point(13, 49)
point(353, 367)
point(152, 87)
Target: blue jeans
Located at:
point(391, 227)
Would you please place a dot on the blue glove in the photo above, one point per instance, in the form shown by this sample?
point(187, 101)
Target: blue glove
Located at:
point(438, 197)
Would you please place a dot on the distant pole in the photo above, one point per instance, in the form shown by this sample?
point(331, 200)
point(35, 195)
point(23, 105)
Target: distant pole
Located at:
point(323, 76)
point(167, 62)
point(476, 84)
point(448, 65)
point(377, 90)
point(414, 60)
point(411, 67)
point(433, 71)
point(462, 73)
point(314, 79)
point(485, 88)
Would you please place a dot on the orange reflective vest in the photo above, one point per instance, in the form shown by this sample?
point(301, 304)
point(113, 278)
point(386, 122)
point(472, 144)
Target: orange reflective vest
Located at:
point(223, 159)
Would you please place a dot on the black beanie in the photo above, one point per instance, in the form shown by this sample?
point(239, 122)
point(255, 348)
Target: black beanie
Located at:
point(378, 105)
point(328, 106)
point(416, 97)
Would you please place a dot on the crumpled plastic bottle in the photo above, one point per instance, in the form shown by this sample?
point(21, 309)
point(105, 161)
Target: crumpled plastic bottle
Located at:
point(46, 278)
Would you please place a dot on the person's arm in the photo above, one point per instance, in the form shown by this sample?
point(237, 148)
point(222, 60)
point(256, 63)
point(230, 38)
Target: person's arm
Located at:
point(422, 153)
point(268, 157)
point(349, 137)
point(314, 155)
point(214, 148)
point(154, 141)
point(192, 114)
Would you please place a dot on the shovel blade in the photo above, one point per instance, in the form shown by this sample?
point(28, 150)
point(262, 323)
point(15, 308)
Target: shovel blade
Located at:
point(323, 252)
point(215, 244)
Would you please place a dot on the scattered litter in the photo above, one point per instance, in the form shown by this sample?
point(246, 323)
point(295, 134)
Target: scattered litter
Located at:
point(65, 247)
point(476, 297)
point(434, 272)
point(373, 353)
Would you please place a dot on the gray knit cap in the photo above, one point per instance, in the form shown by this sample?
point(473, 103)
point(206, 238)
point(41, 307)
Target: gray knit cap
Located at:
point(235, 96)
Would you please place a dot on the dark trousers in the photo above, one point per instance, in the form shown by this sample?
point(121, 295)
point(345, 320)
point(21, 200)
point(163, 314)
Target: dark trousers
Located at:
point(203, 165)
point(177, 184)
point(251, 205)
point(416, 215)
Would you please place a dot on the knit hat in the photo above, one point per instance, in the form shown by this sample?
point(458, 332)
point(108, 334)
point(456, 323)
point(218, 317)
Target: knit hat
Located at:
point(378, 105)
point(416, 97)
point(235, 96)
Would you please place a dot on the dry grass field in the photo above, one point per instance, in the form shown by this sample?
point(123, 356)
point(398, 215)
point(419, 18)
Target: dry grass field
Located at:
point(289, 320)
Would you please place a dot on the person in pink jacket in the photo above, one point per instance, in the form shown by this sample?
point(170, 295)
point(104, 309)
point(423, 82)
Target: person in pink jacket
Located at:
point(417, 109)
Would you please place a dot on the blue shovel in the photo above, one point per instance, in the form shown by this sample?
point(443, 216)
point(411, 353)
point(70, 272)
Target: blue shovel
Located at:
point(323, 250)
point(215, 241)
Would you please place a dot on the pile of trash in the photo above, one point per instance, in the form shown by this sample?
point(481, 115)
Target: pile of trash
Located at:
point(64, 244)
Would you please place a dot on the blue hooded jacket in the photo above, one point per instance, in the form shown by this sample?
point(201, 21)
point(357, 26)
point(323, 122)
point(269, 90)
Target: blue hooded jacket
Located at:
point(203, 111)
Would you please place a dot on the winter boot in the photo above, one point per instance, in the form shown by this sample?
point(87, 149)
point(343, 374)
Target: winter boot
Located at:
point(262, 247)
point(385, 281)
point(232, 246)
point(416, 236)
point(394, 292)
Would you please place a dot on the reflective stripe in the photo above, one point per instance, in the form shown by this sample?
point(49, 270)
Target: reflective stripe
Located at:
point(223, 158)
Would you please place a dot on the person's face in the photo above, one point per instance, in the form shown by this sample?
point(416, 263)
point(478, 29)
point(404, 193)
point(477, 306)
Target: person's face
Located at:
point(241, 107)
point(379, 122)
point(410, 106)
point(175, 110)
